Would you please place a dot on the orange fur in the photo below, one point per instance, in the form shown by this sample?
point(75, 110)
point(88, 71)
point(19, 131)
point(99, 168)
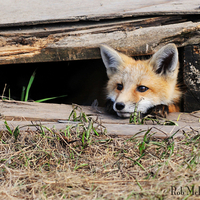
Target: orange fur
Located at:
point(173, 108)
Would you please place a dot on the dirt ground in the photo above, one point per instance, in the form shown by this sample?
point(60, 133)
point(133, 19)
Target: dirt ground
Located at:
point(83, 162)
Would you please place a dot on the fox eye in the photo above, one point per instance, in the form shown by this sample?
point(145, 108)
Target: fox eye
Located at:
point(142, 88)
point(119, 86)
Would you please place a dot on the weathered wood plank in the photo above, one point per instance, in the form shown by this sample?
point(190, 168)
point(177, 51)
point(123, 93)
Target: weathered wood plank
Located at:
point(28, 111)
point(192, 77)
point(19, 47)
point(21, 113)
point(29, 12)
point(112, 129)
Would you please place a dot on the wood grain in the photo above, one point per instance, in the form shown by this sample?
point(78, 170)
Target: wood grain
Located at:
point(31, 12)
point(26, 46)
point(51, 115)
point(192, 77)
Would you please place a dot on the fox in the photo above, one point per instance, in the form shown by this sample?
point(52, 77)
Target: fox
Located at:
point(150, 86)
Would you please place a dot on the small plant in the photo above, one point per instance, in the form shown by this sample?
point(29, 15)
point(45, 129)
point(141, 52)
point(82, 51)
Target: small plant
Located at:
point(143, 145)
point(159, 120)
point(50, 98)
point(137, 119)
point(25, 98)
point(87, 125)
point(14, 133)
point(26, 90)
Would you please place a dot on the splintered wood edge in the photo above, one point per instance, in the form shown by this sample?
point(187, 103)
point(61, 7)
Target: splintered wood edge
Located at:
point(80, 45)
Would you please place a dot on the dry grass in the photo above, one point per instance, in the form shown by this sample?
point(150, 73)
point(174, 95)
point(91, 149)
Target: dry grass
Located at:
point(79, 163)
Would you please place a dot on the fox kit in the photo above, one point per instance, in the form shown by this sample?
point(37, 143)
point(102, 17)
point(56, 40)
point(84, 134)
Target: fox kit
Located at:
point(150, 85)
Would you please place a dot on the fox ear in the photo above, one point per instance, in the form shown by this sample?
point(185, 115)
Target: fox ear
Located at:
point(165, 60)
point(111, 58)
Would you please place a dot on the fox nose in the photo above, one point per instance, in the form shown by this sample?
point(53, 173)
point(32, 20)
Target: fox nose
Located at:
point(119, 105)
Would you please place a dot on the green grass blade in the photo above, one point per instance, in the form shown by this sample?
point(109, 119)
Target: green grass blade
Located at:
point(8, 127)
point(95, 131)
point(82, 165)
point(23, 93)
point(50, 98)
point(29, 86)
point(88, 131)
point(3, 141)
point(9, 95)
point(16, 133)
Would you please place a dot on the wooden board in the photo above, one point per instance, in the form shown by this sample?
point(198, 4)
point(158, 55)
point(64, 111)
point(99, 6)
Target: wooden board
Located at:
point(29, 12)
point(55, 115)
point(49, 30)
point(31, 111)
point(82, 42)
point(192, 77)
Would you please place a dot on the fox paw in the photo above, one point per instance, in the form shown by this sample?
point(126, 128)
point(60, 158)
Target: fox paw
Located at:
point(159, 111)
point(109, 106)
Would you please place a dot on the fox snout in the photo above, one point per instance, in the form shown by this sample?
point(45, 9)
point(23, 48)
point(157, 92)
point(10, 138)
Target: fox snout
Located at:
point(119, 106)
point(122, 109)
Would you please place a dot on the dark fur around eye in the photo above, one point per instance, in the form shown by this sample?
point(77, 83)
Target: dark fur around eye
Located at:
point(119, 86)
point(142, 88)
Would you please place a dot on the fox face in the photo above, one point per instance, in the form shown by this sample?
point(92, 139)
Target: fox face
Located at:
point(142, 84)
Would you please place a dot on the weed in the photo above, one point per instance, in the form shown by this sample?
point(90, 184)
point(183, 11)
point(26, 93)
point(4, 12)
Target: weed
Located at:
point(26, 90)
point(23, 93)
point(87, 126)
point(50, 98)
point(14, 133)
point(8, 128)
point(29, 86)
point(143, 144)
point(137, 119)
